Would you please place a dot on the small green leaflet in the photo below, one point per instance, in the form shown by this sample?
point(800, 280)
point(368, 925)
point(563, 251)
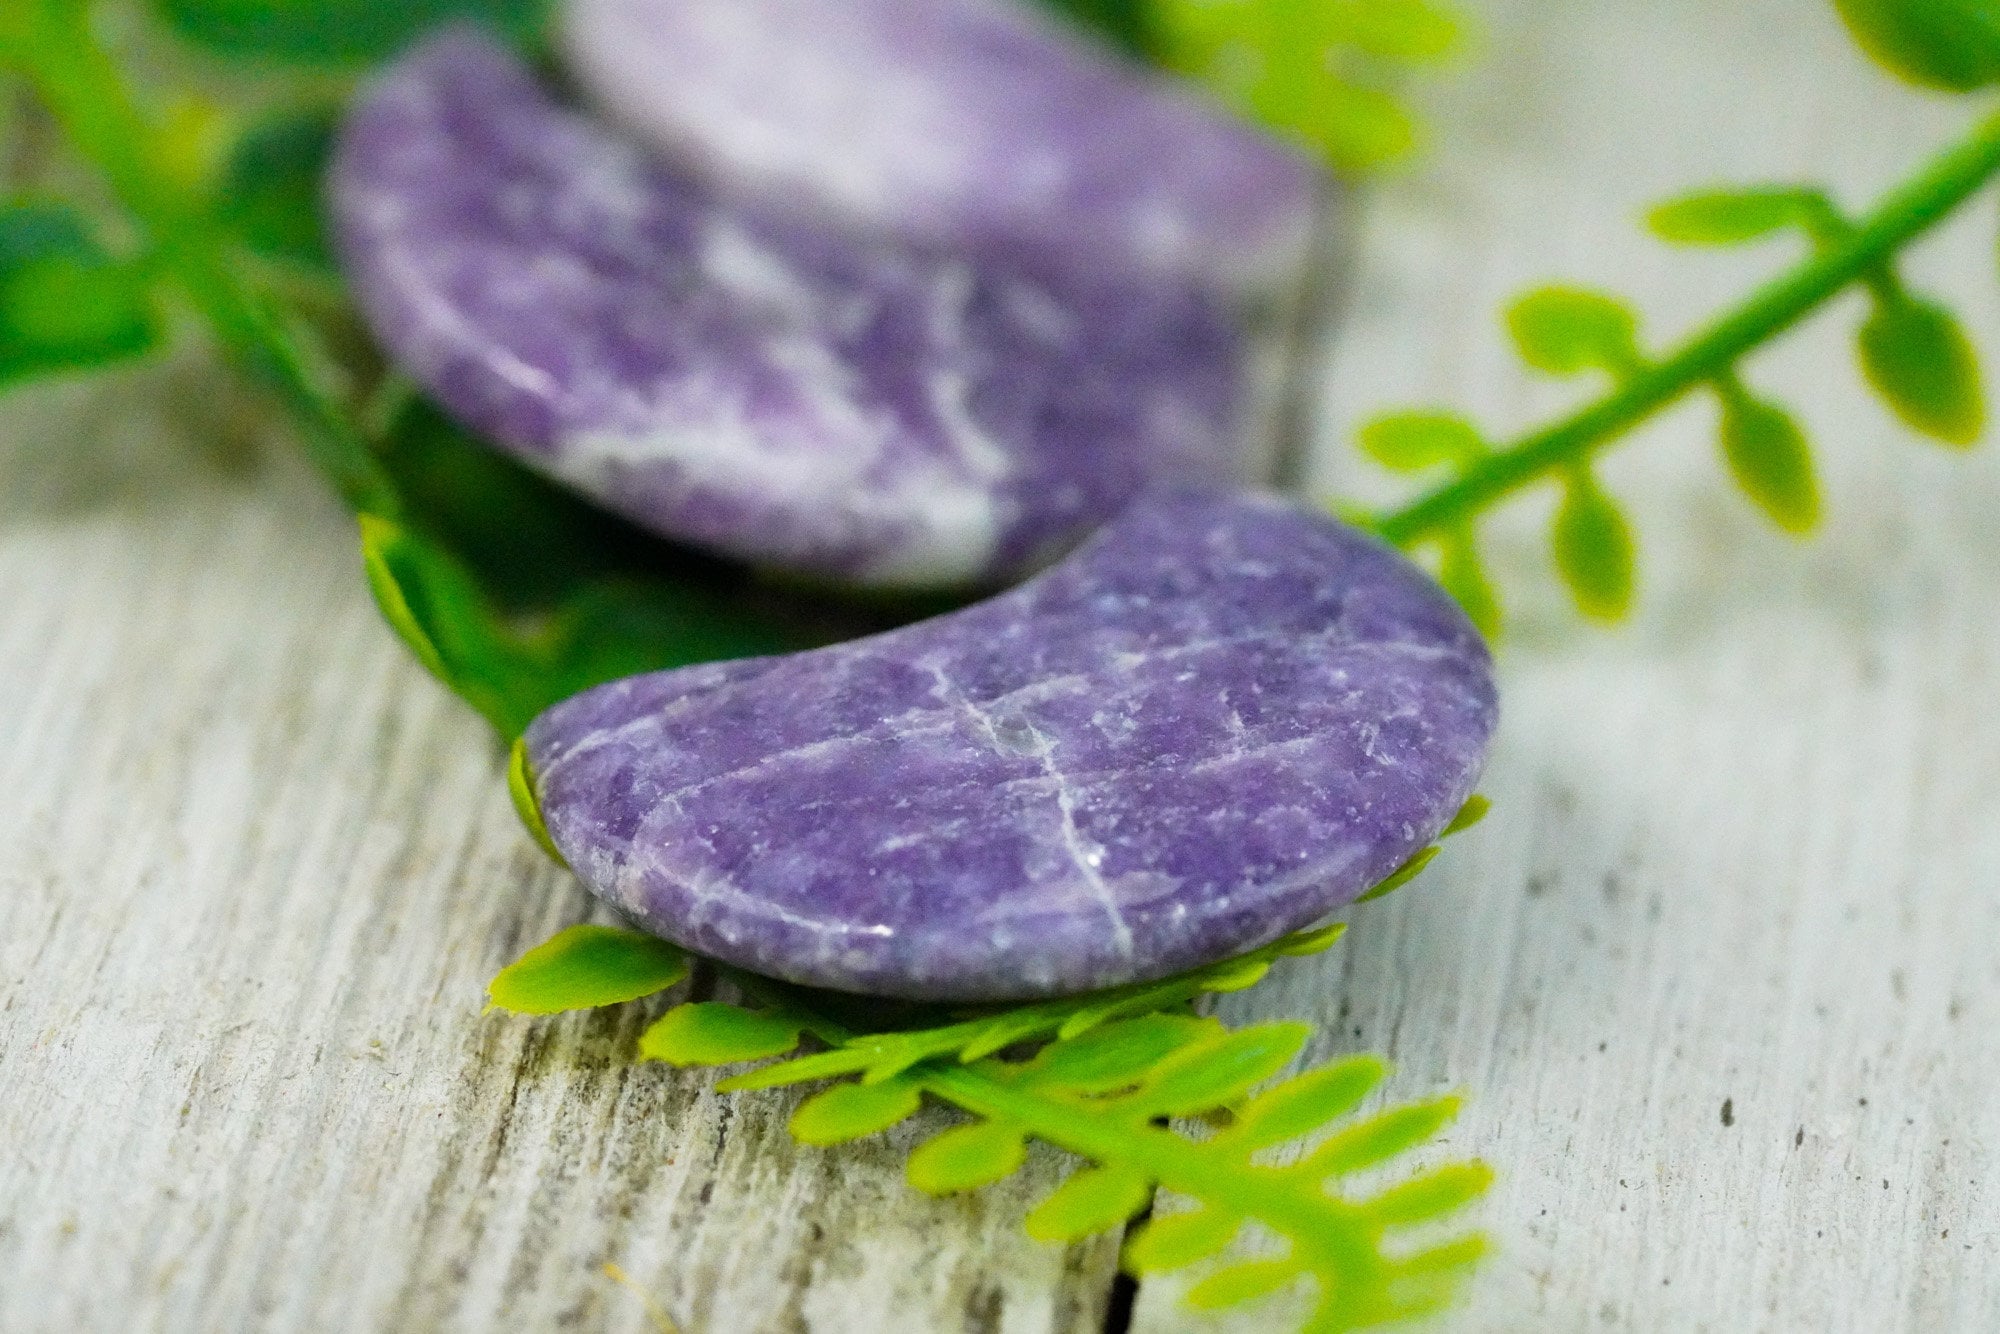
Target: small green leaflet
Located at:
point(1311, 71)
point(1305, 1102)
point(1566, 330)
point(1768, 455)
point(1403, 875)
point(338, 32)
point(1593, 549)
point(1239, 1283)
point(1415, 441)
point(1949, 44)
point(968, 1157)
point(1463, 575)
point(433, 603)
point(521, 787)
point(1217, 1071)
point(587, 967)
point(1470, 814)
point(65, 303)
point(1731, 216)
point(714, 1033)
point(1918, 358)
point(1118, 1055)
point(1476, 808)
point(1167, 1242)
point(853, 1111)
point(1092, 1200)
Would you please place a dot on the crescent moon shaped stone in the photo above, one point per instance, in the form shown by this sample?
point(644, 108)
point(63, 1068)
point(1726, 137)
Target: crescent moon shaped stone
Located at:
point(1220, 719)
point(976, 123)
point(767, 387)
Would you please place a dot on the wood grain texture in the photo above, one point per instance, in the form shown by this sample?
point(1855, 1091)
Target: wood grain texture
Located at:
point(1746, 852)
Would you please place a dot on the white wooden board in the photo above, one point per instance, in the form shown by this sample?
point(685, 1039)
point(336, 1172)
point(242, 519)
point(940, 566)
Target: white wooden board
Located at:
point(257, 868)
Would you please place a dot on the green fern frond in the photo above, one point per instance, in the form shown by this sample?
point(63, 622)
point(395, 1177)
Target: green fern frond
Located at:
point(1102, 1076)
point(1320, 73)
point(1913, 352)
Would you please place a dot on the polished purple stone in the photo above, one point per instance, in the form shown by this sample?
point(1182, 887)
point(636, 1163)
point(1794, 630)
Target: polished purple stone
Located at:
point(967, 123)
point(766, 387)
point(1216, 722)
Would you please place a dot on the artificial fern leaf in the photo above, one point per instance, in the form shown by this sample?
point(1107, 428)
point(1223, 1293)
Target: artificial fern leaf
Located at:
point(1101, 1092)
point(1476, 808)
point(1412, 30)
point(1235, 974)
point(1727, 217)
point(1593, 549)
point(802, 1070)
point(1463, 575)
point(1306, 1102)
point(1950, 44)
point(521, 787)
point(1439, 1191)
point(1117, 1055)
point(853, 1111)
point(1174, 1241)
point(1414, 441)
point(1402, 875)
point(1309, 942)
point(881, 1055)
point(1565, 330)
point(439, 611)
point(585, 967)
point(966, 1158)
point(1442, 1258)
point(1289, 65)
point(1379, 1138)
point(1919, 359)
point(1092, 1200)
point(1241, 1283)
point(1216, 1072)
point(1768, 455)
point(714, 1033)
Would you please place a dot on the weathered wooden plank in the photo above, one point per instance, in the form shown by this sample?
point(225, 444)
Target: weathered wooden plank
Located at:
point(1719, 970)
point(259, 869)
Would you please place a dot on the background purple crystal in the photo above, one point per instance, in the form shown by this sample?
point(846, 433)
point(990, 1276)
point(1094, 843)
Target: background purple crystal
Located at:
point(977, 124)
point(774, 390)
point(1219, 720)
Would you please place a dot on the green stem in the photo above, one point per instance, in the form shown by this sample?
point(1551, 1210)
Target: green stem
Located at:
point(1916, 206)
point(51, 43)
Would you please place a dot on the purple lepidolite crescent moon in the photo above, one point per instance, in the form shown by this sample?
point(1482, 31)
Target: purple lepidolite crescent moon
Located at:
point(770, 388)
point(1220, 719)
point(975, 123)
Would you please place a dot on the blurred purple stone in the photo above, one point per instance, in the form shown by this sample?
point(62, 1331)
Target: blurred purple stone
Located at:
point(761, 384)
point(978, 124)
point(1218, 721)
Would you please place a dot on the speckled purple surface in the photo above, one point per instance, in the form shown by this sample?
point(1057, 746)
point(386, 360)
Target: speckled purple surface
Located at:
point(1219, 720)
point(773, 390)
point(975, 123)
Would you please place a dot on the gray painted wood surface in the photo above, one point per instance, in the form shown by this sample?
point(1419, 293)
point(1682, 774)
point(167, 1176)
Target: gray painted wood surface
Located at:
point(1722, 973)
